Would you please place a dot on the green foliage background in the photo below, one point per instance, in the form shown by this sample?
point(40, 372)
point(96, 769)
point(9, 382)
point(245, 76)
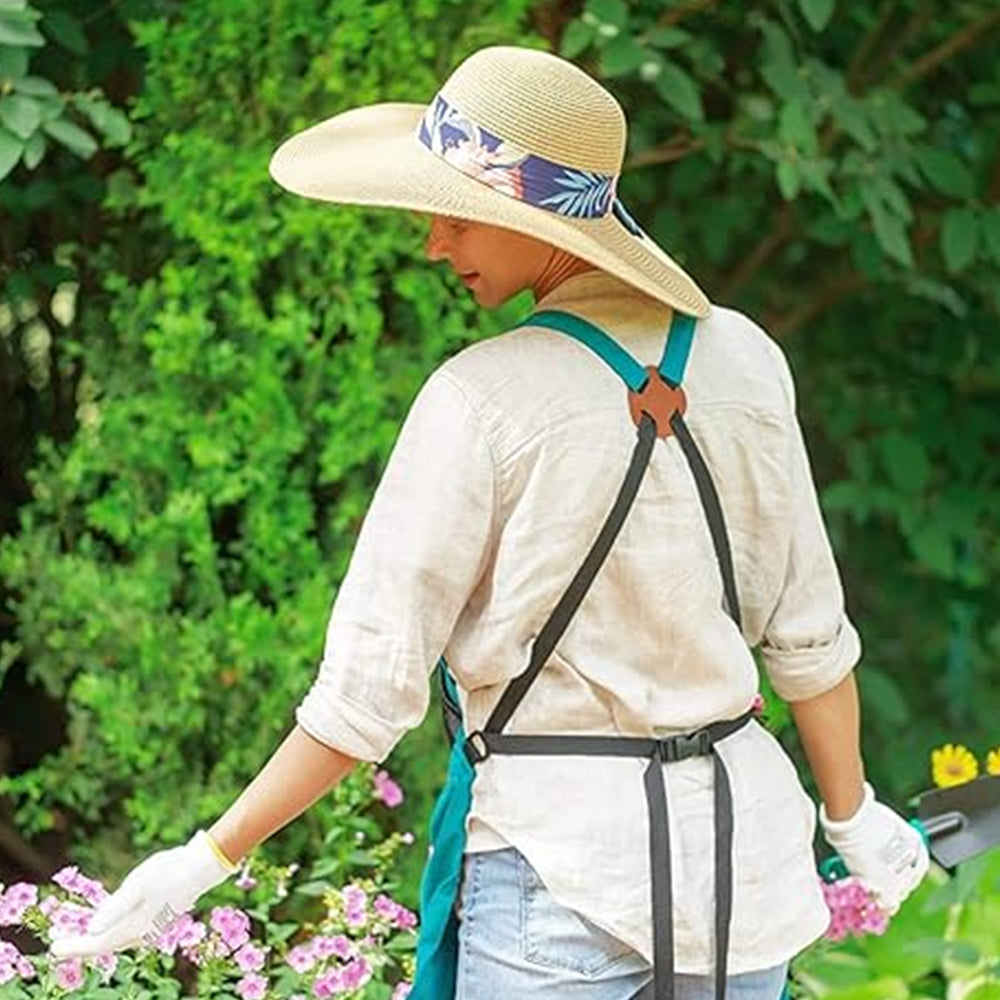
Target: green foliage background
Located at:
point(201, 376)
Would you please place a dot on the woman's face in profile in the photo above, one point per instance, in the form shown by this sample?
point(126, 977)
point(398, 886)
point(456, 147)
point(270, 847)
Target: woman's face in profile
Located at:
point(494, 263)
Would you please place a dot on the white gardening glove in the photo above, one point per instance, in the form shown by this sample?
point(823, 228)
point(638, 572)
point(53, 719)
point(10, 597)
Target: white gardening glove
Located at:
point(150, 898)
point(880, 848)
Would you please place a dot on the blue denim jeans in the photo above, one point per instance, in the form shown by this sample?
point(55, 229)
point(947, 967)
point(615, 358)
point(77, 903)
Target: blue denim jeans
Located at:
point(517, 943)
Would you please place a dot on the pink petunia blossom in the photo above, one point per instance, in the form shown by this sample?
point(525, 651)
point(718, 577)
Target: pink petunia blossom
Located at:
point(13, 964)
point(355, 905)
point(185, 933)
point(853, 910)
point(232, 926)
point(15, 901)
point(387, 790)
point(69, 974)
point(303, 957)
point(394, 913)
point(250, 958)
point(356, 973)
point(328, 983)
point(338, 945)
point(70, 879)
point(107, 964)
point(70, 919)
point(252, 986)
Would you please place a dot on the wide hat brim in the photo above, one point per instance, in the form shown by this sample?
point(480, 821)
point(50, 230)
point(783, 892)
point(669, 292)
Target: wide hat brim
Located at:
point(372, 156)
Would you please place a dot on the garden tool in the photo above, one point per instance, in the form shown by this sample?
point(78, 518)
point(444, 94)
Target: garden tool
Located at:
point(957, 823)
point(962, 821)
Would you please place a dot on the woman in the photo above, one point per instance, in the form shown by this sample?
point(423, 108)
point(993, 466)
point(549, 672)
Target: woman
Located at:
point(684, 868)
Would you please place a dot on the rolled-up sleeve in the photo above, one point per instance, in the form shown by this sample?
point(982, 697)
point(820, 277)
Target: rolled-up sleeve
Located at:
point(424, 543)
point(809, 643)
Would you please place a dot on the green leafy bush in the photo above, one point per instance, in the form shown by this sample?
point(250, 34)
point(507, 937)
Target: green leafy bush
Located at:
point(175, 569)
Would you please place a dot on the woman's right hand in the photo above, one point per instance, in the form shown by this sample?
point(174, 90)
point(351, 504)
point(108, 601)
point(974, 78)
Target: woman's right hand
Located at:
point(150, 898)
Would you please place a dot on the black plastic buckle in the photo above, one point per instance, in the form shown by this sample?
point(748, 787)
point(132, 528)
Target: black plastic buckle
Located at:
point(687, 745)
point(472, 752)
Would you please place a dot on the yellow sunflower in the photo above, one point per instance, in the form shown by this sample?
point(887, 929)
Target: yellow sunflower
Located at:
point(993, 761)
point(954, 764)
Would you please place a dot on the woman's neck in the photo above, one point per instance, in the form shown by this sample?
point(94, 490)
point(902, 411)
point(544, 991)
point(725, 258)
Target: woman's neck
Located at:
point(560, 266)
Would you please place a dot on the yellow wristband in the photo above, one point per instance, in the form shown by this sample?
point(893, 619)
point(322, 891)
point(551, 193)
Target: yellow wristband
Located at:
point(219, 853)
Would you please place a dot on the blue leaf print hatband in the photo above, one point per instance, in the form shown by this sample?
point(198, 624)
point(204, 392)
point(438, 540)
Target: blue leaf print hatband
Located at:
point(511, 170)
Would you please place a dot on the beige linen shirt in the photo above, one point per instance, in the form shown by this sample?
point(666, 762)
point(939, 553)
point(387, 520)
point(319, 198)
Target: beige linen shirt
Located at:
point(503, 473)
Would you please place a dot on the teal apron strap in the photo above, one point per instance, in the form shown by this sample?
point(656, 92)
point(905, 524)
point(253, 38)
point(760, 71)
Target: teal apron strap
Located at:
point(675, 352)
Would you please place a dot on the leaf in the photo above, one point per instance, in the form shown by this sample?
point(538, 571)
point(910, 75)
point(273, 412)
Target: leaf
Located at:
point(789, 180)
point(989, 229)
point(36, 86)
point(21, 115)
point(678, 88)
point(13, 62)
point(11, 148)
point(577, 38)
point(667, 38)
point(934, 548)
point(906, 462)
point(67, 30)
point(946, 172)
point(987, 991)
point(34, 150)
point(890, 231)
point(72, 137)
point(620, 56)
point(609, 12)
point(779, 67)
point(112, 122)
point(959, 238)
point(795, 128)
point(18, 29)
point(817, 12)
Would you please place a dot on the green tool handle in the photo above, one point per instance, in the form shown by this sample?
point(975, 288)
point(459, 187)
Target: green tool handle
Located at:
point(833, 869)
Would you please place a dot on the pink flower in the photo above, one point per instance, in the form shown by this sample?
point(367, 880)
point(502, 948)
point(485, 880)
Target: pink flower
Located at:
point(407, 838)
point(356, 973)
point(13, 963)
point(15, 901)
point(327, 984)
point(337, 944)
point(70, 879)
point(852, 909)
point(252, 986)
point(232, 925)
point(245, 880)
point(70, 918)
point(402, 991)
point(386, 790)
point(107, 965)
point(394, 913)
point(355, 899)
point(302, 957)
point(250, 958)
point(69, 974)
point(185, 933)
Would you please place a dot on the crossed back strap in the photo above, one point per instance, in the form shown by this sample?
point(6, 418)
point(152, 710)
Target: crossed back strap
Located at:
point(652, 422)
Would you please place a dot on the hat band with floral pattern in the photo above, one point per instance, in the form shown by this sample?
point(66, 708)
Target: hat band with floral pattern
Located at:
point(512, 170)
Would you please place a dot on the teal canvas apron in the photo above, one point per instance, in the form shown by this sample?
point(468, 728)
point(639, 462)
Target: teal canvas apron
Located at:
point(657, 404)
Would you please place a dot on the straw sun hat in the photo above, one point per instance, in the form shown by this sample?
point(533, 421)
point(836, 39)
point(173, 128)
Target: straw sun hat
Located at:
point(516, 138)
